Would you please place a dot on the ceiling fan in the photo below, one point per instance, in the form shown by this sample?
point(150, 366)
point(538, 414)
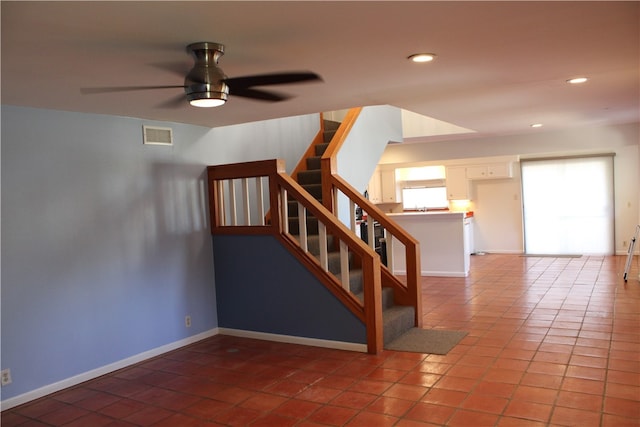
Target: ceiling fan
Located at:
point(206, 85)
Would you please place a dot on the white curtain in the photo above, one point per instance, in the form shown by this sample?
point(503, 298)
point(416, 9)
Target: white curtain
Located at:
point(568, 206)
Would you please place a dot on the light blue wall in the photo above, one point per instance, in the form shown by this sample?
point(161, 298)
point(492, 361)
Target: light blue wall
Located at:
point(105, 242)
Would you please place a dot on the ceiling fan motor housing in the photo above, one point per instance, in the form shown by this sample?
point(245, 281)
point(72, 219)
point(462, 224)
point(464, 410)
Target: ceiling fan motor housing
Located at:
point(206, 79)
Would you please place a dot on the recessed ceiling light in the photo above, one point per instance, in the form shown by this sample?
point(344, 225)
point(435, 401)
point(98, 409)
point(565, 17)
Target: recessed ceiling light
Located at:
point(422, 57)
point(536, 125)
point(577, 80)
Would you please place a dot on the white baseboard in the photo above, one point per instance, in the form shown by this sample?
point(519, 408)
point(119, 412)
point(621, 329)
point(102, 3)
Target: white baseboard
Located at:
point(95, 373)
point(434, 273)
point(315, 342)
point(626, 252)
point(445, 273)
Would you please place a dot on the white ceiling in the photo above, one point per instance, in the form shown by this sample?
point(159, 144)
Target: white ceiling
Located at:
point(500, 67)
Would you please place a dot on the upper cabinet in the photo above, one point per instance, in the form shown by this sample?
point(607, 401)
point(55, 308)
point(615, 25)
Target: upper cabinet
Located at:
point(383, 187)
point(391, 192)
point(459, 177)
point(490, 171)
point(457, 183)
point(374, 189)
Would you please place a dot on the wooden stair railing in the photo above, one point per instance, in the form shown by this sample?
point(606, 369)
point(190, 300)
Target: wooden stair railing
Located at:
point(333, 185)
point(246, 215)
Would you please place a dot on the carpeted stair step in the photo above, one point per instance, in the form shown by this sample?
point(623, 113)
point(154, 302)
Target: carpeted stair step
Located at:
point(294, 225)
point(314, 189)
point(314, 163)
point(396, 321)
point(330, 128)
point(331, 125)
point(387, 297)
point(292, 207)
point(333, 262)
point(356, 281)
point(313, 176)
point(320, 149)
point(313, 243)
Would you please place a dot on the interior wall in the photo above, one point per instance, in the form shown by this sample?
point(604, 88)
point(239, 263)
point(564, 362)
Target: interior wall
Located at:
point(106, 245)
point(495, 202)
point(374, 128)
point(497, 208)
point(288, 300)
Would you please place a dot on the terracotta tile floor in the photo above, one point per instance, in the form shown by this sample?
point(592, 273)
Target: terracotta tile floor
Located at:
point(552, 341)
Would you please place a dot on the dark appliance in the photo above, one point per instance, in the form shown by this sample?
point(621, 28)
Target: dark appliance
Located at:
point(380, 244)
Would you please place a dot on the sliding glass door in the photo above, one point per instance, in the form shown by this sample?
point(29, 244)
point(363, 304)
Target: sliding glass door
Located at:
point(568, 206)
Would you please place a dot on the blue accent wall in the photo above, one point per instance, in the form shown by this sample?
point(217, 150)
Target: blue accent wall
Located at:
point(106, 245)
point(261, 287)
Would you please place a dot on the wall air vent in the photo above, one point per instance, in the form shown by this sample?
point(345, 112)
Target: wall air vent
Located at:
point(153, 135)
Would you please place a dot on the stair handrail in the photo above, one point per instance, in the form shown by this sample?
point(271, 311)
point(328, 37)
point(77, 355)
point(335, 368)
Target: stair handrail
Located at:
point(406, 294)
point(280, 187)
point(329, 159)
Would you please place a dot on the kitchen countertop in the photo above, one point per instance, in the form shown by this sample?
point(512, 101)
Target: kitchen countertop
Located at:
point(430, 213)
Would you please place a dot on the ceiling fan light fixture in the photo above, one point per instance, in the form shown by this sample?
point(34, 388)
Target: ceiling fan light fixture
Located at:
point(207, 102)
point(203, 96)
point(422, 57)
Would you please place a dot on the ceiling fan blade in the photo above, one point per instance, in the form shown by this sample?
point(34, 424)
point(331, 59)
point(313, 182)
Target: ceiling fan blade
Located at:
point(261, 95)
point(271, 79)
point(179, 69)
point(94, 90)
point(174, 102)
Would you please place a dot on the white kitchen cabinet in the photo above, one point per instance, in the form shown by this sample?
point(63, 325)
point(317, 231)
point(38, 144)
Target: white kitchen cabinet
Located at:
point(490, 171)
point(457, 183)
point(383, 187)
point(391, 193)
point(374, 189)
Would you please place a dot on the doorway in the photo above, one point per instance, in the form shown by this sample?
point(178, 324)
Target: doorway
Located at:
point(568, 205)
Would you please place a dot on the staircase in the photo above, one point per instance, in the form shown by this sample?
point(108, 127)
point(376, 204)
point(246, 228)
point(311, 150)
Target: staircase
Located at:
point(397, 319)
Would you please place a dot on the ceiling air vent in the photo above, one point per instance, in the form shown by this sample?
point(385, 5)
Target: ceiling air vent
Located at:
point(153, 135)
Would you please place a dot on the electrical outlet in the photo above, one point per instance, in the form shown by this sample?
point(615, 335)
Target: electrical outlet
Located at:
point(187, 321)
point(5, 377)
point(624, 244)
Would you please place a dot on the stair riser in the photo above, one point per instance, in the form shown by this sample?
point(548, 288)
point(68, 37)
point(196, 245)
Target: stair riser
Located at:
point(330, 125)
point(397, 321)
point(313, 163)
point(314, 189)
point(313, 243)
point(320, 149)
point(333, 262)
point(309, 177)
point(312, 226)
point(292, 207)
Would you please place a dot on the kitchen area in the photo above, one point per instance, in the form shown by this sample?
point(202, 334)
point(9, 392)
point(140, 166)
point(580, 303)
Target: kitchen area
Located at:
point(438, 205)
